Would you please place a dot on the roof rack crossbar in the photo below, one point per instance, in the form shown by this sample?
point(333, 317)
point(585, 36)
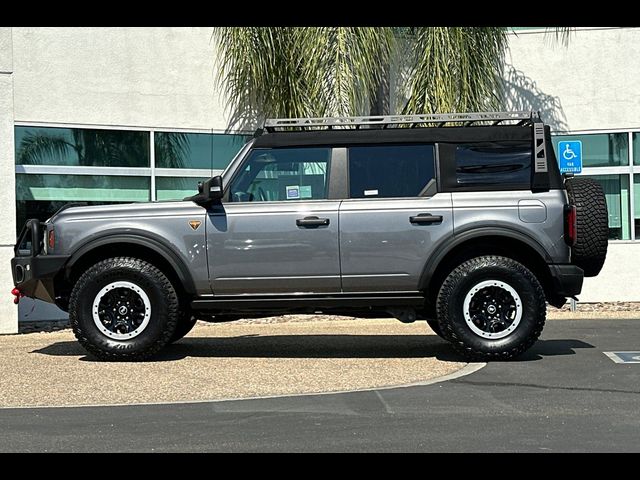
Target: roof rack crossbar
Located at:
point(464, 119)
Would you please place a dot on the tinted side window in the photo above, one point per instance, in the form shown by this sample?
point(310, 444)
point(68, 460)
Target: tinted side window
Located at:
point(281, 174)
point(390, 170)
point(505, 164)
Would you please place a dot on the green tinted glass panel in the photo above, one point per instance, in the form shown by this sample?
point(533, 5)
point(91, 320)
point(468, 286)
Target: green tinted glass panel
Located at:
point(176, 188)
point(81, 146)
point(225, 148)
point(636, 148)
point(196, 150)
point(71, 188)
point(600, 150)
point(183, 150)
point(616, 191)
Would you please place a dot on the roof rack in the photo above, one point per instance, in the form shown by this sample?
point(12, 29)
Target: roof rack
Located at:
point(413, 121)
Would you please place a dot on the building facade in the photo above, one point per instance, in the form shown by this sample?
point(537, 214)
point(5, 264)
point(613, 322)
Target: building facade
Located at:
point(111, 115)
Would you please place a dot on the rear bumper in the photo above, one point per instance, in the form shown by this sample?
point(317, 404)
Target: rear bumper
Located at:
point(567, 280)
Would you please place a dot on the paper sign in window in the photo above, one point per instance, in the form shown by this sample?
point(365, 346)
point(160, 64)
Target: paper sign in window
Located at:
point(305, 191)
point(293, 192)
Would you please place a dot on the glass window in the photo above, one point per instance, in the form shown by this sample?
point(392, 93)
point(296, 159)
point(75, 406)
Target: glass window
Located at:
point(636, 148)
point(282, 174)
point(600, 150)
point(176, 188)
point(81, 146)
point(39, 196)
point(225, 148)
point(616, 191)
point(506, 164)
point(390, 171)
point(196, 150)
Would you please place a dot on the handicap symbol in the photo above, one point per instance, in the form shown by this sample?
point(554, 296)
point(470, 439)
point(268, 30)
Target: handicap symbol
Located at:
point(568, 154)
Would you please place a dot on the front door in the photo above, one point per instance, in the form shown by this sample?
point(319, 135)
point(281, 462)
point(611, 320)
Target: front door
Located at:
point(278, 232)
point(393, 218)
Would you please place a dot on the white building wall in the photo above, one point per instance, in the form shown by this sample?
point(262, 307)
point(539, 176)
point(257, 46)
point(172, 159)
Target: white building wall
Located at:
point(8, 311)
point(145, 77)
point(593, 82)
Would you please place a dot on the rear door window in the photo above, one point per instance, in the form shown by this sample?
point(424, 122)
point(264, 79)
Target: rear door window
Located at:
point(507, 165)
point(388, 171)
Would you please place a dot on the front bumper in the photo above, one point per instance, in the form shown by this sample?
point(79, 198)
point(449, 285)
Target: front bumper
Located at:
point(34, 273)
point(567, 280)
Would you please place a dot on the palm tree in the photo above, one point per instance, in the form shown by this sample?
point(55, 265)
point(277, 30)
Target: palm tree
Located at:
point(328, 71)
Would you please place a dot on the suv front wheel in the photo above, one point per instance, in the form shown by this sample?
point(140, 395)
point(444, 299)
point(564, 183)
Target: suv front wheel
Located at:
point(491, 308)
point(123, 309)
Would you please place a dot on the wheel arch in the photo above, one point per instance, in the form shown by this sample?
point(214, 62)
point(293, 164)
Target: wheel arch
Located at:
point(131, 245)
point(486, 241)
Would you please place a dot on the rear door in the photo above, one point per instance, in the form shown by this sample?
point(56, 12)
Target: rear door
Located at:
point(393, 217)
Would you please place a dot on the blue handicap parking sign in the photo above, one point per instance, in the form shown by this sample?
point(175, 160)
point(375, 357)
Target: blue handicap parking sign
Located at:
point(570, 155)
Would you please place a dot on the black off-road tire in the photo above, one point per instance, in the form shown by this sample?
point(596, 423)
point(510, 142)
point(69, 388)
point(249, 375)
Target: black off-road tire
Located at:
point(590, 250)
point(186, 322)
point(462, 280)
point(162, 297)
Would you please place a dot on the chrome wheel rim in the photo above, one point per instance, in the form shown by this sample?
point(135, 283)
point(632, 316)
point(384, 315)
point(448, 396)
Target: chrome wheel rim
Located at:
point(121, 310)
point(492, 309)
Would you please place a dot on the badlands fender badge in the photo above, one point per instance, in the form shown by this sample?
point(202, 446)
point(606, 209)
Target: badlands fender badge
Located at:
point(194, 224)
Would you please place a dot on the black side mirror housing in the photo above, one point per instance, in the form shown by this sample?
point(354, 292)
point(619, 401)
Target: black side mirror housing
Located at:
point(209, 191)
point(214, 188)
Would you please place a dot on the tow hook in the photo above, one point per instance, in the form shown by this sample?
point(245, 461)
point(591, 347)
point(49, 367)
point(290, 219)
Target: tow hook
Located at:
point(17, 295)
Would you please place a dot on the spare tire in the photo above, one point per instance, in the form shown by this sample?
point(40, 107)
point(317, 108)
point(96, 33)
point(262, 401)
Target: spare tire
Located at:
point(592, 221)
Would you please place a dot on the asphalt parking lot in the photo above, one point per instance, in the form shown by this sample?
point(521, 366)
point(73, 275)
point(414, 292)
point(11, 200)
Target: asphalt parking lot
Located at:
point(564, 395)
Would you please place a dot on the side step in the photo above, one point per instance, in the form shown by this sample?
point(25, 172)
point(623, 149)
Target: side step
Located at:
point(280, 302)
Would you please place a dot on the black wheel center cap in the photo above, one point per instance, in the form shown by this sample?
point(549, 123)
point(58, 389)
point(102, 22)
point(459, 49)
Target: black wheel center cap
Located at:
point(122, 310)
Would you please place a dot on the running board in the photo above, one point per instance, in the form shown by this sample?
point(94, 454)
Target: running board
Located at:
point(279, 302)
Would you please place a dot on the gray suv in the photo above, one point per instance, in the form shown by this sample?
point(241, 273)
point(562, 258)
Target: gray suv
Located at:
point(462, 220)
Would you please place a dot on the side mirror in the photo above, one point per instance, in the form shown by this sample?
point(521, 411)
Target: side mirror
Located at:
point(214, 188)
point(209, 191)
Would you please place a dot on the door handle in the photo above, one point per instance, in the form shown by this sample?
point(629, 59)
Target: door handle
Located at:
point(425, 218)
point(312, 222)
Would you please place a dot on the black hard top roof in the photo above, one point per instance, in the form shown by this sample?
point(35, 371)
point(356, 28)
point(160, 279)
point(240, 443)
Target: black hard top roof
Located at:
point(470, 134)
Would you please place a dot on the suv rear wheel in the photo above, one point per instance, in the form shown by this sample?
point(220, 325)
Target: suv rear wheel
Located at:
point(123, 309)
point(491, 308)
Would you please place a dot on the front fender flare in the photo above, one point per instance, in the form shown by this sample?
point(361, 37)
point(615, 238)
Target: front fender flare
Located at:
point(142, 239)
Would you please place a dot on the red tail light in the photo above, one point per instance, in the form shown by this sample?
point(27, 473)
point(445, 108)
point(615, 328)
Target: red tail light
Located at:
point(52, 239)
point(570, 225)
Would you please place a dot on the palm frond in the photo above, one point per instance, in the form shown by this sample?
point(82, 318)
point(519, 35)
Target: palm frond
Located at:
point(456, 69)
